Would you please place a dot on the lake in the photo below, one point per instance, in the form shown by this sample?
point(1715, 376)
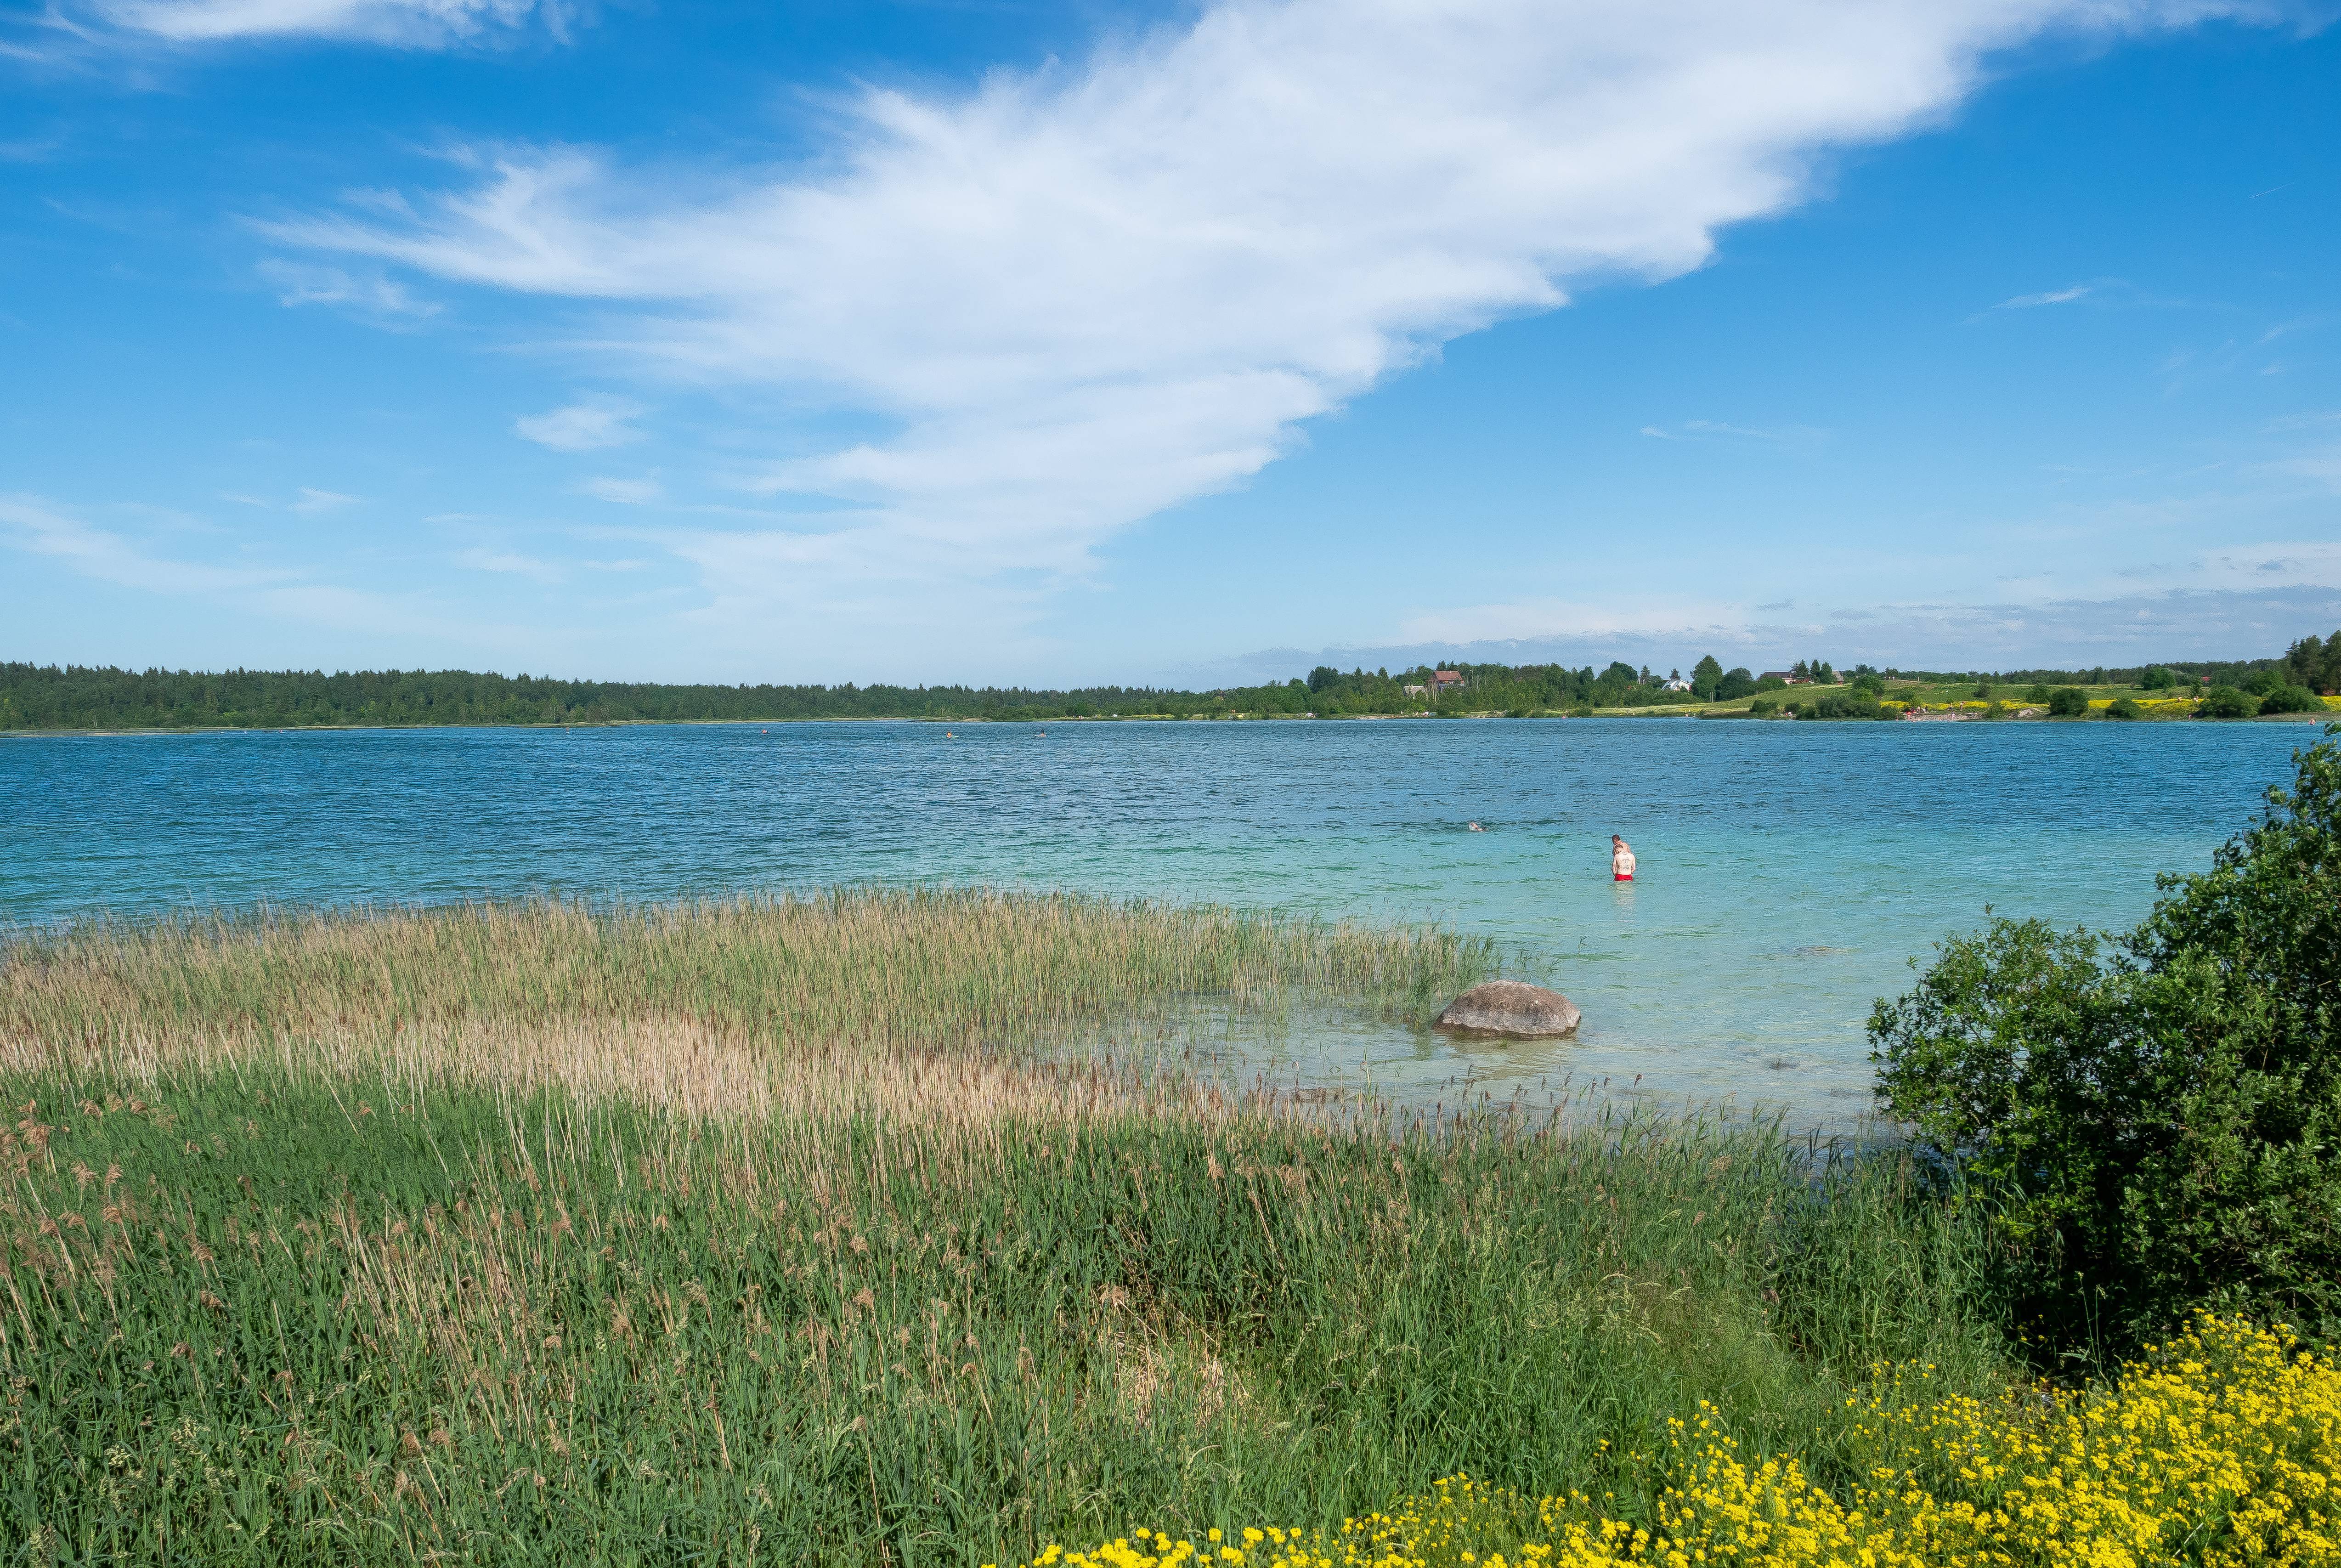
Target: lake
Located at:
point(1789, 872)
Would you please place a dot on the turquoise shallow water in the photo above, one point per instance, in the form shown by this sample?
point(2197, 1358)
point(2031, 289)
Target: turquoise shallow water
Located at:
point(1789, 871)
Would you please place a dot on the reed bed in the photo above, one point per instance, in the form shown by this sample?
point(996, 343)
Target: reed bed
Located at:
point(757, 1233)
point(835, 971)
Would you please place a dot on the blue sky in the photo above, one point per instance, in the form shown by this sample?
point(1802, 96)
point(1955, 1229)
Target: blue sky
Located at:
point(1003, 341)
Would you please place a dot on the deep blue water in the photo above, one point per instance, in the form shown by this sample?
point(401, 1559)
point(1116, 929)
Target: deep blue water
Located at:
point(1789, 871)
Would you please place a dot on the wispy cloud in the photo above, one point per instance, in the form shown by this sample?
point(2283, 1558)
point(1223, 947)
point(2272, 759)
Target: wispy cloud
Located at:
point(407, 24)
point(513, 562)
point(314, 501)
point(1802, 435)
point(32, 524)
point(625, 492)
point(1082, 295)
point(584, 427)
point(37, 526)
point(2073, 296)
point(386, 300)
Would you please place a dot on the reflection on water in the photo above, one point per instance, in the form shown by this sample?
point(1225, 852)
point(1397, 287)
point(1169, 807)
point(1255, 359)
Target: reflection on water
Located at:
point(1788, 872)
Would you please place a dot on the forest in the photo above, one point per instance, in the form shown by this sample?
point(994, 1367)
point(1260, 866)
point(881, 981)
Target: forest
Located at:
point(86, 697)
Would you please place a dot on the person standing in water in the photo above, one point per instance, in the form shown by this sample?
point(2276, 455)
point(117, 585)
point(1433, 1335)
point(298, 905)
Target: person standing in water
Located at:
point(1621, 859)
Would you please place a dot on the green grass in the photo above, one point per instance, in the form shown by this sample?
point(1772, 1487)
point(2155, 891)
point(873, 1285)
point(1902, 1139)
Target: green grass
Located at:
point(752, 1233)
point(254, 1318)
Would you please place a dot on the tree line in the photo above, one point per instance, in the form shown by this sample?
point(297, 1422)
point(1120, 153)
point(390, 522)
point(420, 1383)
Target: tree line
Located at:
point(84, 697)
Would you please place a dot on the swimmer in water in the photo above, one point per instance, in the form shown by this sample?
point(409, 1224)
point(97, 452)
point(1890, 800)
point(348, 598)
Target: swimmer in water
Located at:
point(1475, 827)
point(1621, 859)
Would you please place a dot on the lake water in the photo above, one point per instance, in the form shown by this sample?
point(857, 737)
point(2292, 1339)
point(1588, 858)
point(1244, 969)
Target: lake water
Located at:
point(1789, 871)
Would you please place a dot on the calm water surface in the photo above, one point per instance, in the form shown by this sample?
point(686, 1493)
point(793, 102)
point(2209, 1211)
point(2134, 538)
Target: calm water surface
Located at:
point(1789, 871)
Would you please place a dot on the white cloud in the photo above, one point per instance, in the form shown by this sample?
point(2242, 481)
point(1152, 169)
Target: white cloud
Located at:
point(1084, 295)
point(626, 492)
point(2079, 291)
point(34, 526)
point(372, 296)
point(414, 24)
point(511, 561)
point(1792, 436)
point(584, 427)
point(314, 501)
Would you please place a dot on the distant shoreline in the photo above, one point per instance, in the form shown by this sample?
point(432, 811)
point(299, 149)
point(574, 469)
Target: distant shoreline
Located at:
point(1676, 711)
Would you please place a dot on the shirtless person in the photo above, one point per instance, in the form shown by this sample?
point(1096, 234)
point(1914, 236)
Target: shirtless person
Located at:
point(1621, 859)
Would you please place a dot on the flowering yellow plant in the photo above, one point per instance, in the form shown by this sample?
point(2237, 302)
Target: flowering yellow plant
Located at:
point(2220, 1449)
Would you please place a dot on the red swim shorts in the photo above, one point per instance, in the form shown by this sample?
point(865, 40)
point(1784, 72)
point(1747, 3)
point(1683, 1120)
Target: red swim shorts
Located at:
point(1622, 877)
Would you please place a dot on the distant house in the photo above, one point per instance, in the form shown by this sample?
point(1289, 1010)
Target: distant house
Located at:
point(1416, 690)
point(1676, 685)
point(1786, 678)
point(1442, 680)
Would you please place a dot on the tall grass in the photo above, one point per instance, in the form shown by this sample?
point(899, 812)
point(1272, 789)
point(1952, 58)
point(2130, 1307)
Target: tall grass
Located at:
point(257, 1317)
point(867, 967)
point(719, 1235)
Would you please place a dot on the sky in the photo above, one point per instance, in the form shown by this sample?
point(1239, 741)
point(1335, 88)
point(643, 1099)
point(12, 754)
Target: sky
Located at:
point(987, 341)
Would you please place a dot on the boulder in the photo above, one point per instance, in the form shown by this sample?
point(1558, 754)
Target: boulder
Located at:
point(1511, 1007)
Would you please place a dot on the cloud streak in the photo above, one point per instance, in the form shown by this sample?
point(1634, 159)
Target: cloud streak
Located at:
point(1081, 295)
point(587, 426)
point(406, 24)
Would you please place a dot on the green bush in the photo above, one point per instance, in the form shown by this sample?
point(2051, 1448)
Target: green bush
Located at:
point(2155, 1118)
point(2124, 708)
point(1855, 704)
point(2158, 679)
point(2290, 700)
point(2035, 692)
point(2069, 703)
point(2226, 703)
point(1762, 708)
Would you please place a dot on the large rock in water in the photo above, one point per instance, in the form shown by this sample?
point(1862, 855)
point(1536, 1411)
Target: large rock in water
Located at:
point(1511, 1007)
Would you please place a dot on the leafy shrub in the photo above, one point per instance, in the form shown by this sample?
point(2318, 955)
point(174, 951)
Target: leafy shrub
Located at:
point(1853, 704)
point(2069, 703)
point(1763, 708)
point(2226, 703)
point(2156, 1116)
point(2290, 700)
point(1772, 683)
point(2124, 708)
point(2158, 679)
point(2035, 692)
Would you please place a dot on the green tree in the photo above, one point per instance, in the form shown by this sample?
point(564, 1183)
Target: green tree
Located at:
point(2124, 708)
point(1736, 684)
point(2157, 1117)
point(2069, 703)
point(2226, 703)
point(1706, 677)
point(2157, 679)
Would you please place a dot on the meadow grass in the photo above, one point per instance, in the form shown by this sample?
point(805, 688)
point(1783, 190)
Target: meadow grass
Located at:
point(557, 1234)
